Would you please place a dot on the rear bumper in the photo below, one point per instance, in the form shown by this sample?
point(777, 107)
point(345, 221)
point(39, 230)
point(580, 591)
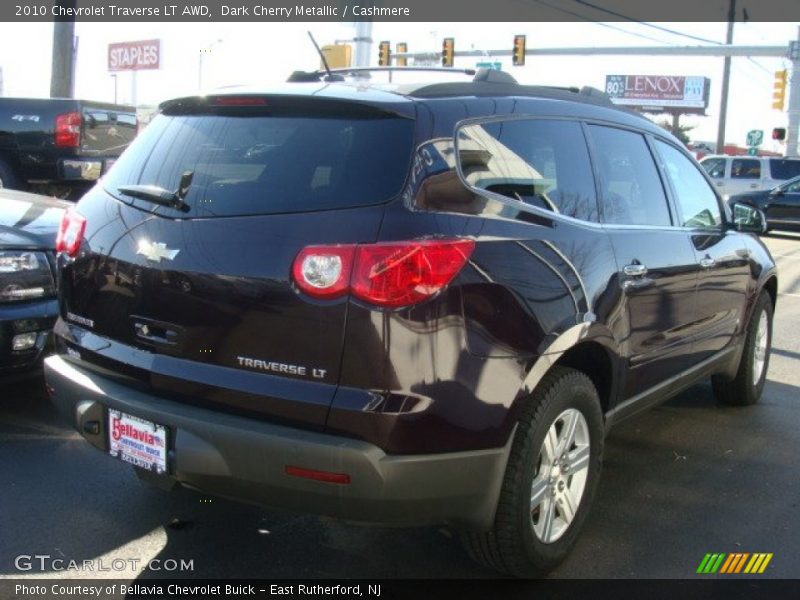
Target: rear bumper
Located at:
point(245, 460)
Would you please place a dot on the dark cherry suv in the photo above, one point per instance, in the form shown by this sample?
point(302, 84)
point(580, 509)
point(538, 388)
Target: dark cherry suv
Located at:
point(402, 304)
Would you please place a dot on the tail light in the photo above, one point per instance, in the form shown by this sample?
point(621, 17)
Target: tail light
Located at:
point(68, 130)
point(391, 275)
point(238, 101)
point(70, 233)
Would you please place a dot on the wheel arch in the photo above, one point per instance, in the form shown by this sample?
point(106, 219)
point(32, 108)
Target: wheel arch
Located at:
point(588, 348)
point(771, 287)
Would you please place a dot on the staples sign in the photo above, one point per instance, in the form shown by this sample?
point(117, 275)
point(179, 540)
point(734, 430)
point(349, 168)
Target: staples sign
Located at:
point(134, 56)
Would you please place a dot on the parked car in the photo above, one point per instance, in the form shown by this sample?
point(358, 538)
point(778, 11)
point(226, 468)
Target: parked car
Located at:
point(416, 305)
point(28, 305)
point(781, 204)
point(60, 146)
point(739, 174)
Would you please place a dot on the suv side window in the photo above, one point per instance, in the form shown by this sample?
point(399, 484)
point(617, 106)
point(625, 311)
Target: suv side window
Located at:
point(745, 168)
point(696, 200)
point(541, 162)
point(715, 167)
point(631, 189)
point(784, 168)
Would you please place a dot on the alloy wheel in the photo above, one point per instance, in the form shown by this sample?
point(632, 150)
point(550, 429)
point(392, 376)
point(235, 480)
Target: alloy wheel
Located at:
point(761, 347)
point(560, 477)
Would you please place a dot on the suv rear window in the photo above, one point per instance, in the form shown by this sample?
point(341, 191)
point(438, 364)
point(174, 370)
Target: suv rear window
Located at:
point(265, 164)
point(781, 168)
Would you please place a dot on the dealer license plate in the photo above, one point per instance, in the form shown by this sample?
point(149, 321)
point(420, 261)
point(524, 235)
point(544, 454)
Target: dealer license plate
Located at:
point(137, 441)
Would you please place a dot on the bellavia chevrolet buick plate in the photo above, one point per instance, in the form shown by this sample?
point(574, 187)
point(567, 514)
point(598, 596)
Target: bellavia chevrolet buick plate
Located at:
point(402, 304)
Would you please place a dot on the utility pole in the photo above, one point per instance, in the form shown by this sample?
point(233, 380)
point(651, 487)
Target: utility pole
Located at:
point(793, 112)
point(62, 84)
point(726, 76)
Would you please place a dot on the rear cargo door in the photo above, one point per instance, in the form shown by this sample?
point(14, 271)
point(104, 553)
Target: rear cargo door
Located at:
point(199, 302)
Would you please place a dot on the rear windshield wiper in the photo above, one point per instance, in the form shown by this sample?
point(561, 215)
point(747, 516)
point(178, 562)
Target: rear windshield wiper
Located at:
point(158, 195)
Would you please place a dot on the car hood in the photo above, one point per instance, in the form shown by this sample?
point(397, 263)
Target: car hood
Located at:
point(29, 220)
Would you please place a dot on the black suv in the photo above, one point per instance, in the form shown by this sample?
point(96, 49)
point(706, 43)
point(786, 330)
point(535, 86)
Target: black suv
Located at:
point(402, 304)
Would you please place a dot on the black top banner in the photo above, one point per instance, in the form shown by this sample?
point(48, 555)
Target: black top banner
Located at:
point(396, 10)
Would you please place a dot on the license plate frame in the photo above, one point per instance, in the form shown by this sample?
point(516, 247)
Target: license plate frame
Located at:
point(137, 441)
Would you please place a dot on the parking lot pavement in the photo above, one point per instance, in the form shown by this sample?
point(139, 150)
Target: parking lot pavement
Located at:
point(684, 479)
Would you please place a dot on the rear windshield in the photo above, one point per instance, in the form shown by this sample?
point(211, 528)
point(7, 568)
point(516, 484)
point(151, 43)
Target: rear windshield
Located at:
point(265, 164)
point(781, 168)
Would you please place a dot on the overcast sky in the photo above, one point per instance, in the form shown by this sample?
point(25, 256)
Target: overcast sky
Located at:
point(268, 52)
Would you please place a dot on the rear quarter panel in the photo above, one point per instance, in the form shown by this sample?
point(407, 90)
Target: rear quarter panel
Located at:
point(449, 374)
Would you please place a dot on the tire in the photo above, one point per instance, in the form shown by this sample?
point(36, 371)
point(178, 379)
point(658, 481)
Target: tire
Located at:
point(518, 543)
point(746, 387)
point(8, 178)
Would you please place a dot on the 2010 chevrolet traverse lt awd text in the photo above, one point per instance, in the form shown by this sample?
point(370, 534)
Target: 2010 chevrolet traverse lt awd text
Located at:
point(402, 304)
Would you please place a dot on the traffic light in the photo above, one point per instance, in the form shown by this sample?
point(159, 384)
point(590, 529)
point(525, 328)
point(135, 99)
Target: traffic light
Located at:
point(779, 133)
point(400, 48)
point(518, 54)
point(779, 90)
point(448, 52)
point(384, 54)
point(338, 56)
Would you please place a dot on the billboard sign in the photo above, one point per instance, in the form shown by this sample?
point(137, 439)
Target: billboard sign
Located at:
point(134, 56)
point(659, 93)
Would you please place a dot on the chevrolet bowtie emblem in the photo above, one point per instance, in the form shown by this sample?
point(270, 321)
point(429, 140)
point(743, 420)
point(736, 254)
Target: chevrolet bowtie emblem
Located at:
point(155, 251)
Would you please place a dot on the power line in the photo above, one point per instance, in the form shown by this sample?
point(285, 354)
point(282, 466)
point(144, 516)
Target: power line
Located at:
point(651, 25)
point(760, 66)
point(594, 22)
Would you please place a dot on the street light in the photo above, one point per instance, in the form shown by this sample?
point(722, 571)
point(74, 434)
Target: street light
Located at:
point(114, 75)
point(203, 51)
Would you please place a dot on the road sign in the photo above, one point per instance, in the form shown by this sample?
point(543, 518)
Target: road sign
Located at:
point(497, 66)
point(753, 151)
point(755, 137)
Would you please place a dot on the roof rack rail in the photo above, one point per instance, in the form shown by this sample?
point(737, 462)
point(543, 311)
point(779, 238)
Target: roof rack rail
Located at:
point(311, 76)
point(588, 90)
point(401, 69)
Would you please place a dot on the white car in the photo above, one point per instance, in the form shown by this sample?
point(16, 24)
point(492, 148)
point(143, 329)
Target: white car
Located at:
point(741, 174)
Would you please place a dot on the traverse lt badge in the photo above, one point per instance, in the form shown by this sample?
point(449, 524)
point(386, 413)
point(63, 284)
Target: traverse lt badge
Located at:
point(155, 251)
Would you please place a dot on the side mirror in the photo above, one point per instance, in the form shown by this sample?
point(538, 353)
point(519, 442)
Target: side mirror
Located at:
point(748, 218)
point(776, 192)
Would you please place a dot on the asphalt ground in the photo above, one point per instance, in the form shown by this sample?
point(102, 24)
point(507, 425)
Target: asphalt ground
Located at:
point(687, 478)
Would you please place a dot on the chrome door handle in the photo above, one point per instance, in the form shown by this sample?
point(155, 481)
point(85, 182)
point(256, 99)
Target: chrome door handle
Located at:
point(719, 183)
point(753, 186)
point(707, 262)
point(634, 270)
